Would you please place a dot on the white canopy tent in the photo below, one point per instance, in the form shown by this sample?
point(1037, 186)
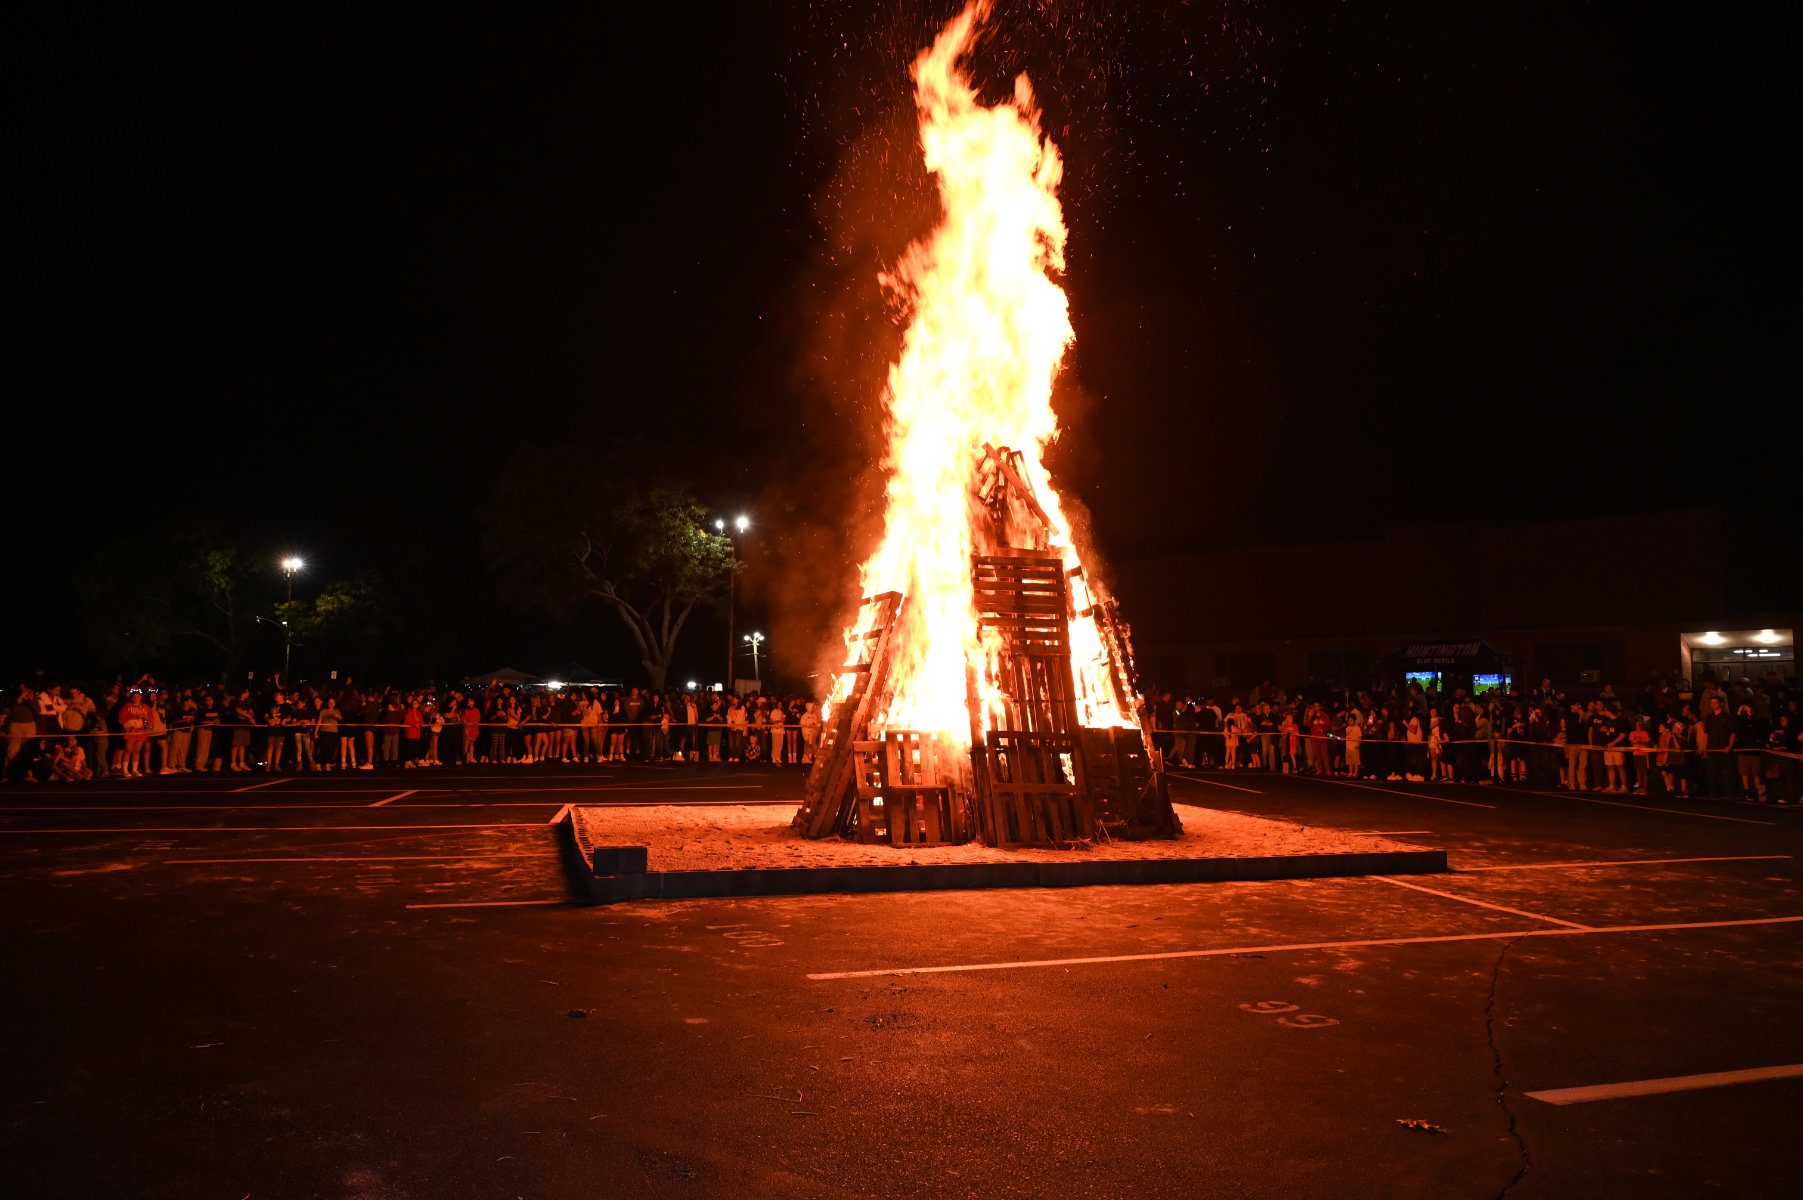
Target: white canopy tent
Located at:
point(504, 675)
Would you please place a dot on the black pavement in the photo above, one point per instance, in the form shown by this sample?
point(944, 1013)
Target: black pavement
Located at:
point(362, 986)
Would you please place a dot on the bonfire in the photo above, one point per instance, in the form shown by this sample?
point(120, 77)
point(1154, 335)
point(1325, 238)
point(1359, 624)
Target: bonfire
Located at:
point(987, 685)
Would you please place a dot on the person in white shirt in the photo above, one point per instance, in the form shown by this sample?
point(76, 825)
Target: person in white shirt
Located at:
point(735, 730)
point(1417, 751)
point(810, 731)
point(588, 715)
point(778, 732)
point(691, 732)
point(1355, 737)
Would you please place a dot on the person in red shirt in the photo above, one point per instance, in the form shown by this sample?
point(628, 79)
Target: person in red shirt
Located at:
point(1320, 728)
point(472, 729)
point(134, 722)
point(1640, 741)
point(411, 725)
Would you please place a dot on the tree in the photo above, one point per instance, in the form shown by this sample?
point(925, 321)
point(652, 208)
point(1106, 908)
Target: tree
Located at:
point(221, 618)
point(154, 603)
point(193, 602)
point(566, 529)
point(344, 618)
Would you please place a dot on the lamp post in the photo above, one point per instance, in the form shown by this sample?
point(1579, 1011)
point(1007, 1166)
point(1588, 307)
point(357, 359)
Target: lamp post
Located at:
point(754, 640)
point(289, 566)
point(741, 523)
point(287, 644)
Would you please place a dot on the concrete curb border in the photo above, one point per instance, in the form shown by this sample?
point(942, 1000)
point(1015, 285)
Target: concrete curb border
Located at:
point(606, 874)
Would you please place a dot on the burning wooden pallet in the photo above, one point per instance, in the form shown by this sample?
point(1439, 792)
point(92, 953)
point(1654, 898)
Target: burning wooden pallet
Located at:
point(1035, 776)
point(1030, 785)
point(907, 791)
point(825, 808)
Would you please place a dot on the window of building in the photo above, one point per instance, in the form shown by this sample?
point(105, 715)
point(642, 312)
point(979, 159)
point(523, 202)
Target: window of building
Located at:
point(1738, 654)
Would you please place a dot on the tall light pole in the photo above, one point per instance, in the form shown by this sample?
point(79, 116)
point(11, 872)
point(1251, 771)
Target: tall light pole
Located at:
point(287, 644)
point(741, 523)
point(289, 566)
point(755, 640)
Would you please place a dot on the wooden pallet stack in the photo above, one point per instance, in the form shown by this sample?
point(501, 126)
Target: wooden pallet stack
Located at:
point(827, 805)
point(1035, 776)
point(1128, 786)
point(1029, 765)
point(908, 791)
point(1117, 646)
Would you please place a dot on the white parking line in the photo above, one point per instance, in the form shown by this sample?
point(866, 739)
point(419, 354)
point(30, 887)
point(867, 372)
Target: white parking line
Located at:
point(225, 808)
point(1655, 1087)
point(1622, 862)
point(449, 789)
point(1217, 783)
point(1393, 792)
point(526, 778)
point(491, 904)
point(358, 858)
point(1676, 812)
point(272, 828)
point(1480, 903)
point(1352, 945)
point(613, 787)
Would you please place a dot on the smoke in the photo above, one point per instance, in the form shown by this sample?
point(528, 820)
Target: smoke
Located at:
point(823, 376)
point(819, 379)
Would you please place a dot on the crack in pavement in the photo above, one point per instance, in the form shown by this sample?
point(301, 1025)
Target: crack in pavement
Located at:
point(1502, 1084)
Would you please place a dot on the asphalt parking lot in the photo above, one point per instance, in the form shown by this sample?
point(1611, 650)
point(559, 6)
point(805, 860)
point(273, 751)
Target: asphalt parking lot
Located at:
point(363, 986)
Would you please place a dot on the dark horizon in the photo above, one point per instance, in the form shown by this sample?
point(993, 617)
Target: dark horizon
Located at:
point(1331, 272)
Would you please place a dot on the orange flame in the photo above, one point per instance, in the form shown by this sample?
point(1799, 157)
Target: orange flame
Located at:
point(988, 330)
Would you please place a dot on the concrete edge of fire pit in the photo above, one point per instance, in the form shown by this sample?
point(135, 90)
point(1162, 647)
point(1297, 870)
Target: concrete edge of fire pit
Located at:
point(605, 874)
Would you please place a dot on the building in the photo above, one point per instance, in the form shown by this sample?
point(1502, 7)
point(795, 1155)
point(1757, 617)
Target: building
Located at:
point(1587, 602)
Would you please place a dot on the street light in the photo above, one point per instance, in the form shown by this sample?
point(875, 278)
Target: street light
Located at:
point(742, 523)
point(289, 566)
point(755, 640)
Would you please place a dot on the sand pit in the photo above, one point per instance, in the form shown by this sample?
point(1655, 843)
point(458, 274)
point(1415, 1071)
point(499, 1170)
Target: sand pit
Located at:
point(738, 837)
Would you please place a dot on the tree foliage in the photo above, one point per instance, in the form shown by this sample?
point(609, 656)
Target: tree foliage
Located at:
point(155, 603)
point(344, 618)
point(194, 603)
point(566, 529)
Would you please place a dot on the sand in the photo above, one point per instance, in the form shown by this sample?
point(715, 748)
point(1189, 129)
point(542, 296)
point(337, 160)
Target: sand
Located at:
point(728, 837)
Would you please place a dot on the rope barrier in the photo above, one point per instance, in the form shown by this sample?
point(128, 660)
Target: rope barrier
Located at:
point(455, 726)
point(1621, 748)
point(445, 727)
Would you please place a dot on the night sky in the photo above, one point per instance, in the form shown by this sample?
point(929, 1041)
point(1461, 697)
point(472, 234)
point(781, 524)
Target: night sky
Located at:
point(310, 277)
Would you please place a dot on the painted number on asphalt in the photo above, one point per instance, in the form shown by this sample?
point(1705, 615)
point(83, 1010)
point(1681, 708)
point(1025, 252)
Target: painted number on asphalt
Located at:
point(1307, 1021)
point(746, 936)
point(1302, 1020)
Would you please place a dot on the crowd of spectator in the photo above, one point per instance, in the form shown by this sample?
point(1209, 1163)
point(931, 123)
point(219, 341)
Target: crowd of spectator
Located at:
point(1734, 739)
point(1724, 739)
point(64, 732)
